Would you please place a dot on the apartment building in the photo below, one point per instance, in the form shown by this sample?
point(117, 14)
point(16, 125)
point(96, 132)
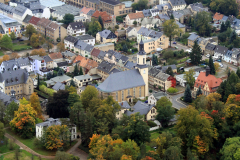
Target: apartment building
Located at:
point(76, 28)
point(132, 17)
point(9, 25)
point(108, 20)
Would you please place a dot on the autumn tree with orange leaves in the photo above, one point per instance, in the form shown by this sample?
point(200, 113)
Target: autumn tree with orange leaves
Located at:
point(40, 52)
point(35, 103)
point(56, 136)
point(6, 57)
point(24, 121)
point(14, 55)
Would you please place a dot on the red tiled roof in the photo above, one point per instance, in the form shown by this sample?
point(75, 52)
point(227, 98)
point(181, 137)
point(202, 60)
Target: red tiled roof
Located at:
point(211, 80)
point(136, 15)
point(218, 16)
point(44, 22)
point(34, 20)
point(56, 55)
point(78, 58)
point(85, 62)
point(95, 52)
point(85, 10)
point(105, 17)
point(91, 64)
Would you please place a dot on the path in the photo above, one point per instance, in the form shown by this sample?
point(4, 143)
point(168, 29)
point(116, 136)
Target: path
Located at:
point(177, 103)
point(78, 152)
point(27, 148)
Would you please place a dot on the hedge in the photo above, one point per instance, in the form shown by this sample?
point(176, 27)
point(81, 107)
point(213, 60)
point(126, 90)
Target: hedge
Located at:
point(172, 90)
point(41, 94)
point(151, 124)
point(46, 90)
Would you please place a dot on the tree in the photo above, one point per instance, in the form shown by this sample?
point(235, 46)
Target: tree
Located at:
point(60, 72)
point(154, 60)
point(196, 54)
point(13, 36)
point(238, 72)
point(68, 18)
point(81, 71)
point(174, 152)
point(14, 55)
point(75, 71)
point(24, 121)
point(134, 128)
point(94, 27)
point(199, 92)
point(29, 31)
point(140, 5)
point(188, 94)
point(38, 82)
point(41, 52)
point(125, 48)
point(230, 148)
point(211, 66)
point(135, 23)
point(9, 112)
point(223, 27)
point(17, 154)
point(165, 114)
point(48, 44)
point(2, 110)
point(201, 23)
point(192, 127)
point(57, 106)
point(36, 40)
point(73, 98)
point(169, 71)
point(101, 22)
point(117, 27)
point(227, 7)
point(61, 47)
point(217, 66)
point(56, 136)
point(163, 102)
point(171, 29)
point(6, 57)
point(2, 131)
point(6, 42)
point(172, 17)
point(35, 103)
point(189, 77)
point(233, 36)
point(65, 156)
point(87, 95)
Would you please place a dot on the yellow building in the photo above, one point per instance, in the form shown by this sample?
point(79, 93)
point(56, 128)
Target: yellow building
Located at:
point(126, 85)
point(106, 36)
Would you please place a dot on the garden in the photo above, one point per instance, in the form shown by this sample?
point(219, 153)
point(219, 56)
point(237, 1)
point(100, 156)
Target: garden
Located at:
point(126, 46)
point(20, 46)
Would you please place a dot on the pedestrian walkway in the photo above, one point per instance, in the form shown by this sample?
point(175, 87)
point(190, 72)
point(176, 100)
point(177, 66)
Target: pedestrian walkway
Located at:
point(78, 152)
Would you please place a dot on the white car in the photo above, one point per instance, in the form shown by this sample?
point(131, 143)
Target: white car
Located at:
point(189, 50)
point(221, 65)
point(208, 55)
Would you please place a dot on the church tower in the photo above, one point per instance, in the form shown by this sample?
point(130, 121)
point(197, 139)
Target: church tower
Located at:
point(141, 65)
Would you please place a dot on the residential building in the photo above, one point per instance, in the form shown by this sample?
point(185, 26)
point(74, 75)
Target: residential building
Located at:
point(152, 74)
point(83, 49)
point(38, 9)
point(217, 17)
point(104, 69)
point(163, 17)
point(106, 36)
point(20, 12)
point(209, 49)
point(60, 78)
point(26, 20)
point(179, 17)
point(150, 22)
point(105, 47)
point(191, 39)
point(9, 25)
point(126, 85)
point(58, 86)
point(220, 51)
point(228, 56)
point(7, 99)
point(208, 83)
point(23, 63)
point(108, 20)
point(154, 97)
point(124, 107)
point(48, 62)
point(149, 111)
point(182, 81)
point(60, 11)
point(131, 32)
point(70, 42)
point(177, 4)
point(37, 63)
point(163, 8)
point(129, 65)
point(51, 29)
point(63, 65)
point(94, 54)
point(14, 78)
point(68, 56)
point(173, 66)
point(41, 127)
point(186, 13)
point(122, 62)
point(235, 56)
point(57, 56)
point(87, 39)
point(82, 80)
point(132, 17)
point(76, 28)
point(33, 21)
point(86, 63)
point(197, 7)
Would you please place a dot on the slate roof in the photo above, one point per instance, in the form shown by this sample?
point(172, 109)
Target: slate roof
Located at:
point(5, 98)
point(82, 77)
point(164, 68)
point(114, 70)
point(155, 34)
point(27, 18)
point(23, 61)
point(161, 6)
point(61, 64)
point(221, 49)
point(193, 37)
point(77, 25)
point(159, 95)
point(36, 57)
point(20, 10)
point(71, 39)
point(177, 2)
point(85, 37)
point(105, 33)
point(62, 78)
point(150, 21)
point(198, 7)
point(130, 65)
point(210, 47)
point(91, 12)
point(185, 11)
point(164, 16)
point(14, 77)
point(58, 86)
point(68, 54)
point(112, 2)
point(144, 31)
point(105, 66)
point(124, 59)
point(95, 1)
point(129, 29)
point(146, 13)
point(49, 122)
point(175, 14)
point(81, 45)
point(124, 105)
point(153, 71)
point(47, 59)
point(228, 54)
point(122, 80)
point(141, 108)
point(236, 52)
point(101, 55)
point(89, 48)
point(66, 9)
point(162, 76)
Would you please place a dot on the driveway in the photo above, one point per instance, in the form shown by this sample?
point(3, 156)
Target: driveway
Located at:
point(177, 103)
point(180, 46)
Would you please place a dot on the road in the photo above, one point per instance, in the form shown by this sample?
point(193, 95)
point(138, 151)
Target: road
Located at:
point(180, 46)
point(177, 103)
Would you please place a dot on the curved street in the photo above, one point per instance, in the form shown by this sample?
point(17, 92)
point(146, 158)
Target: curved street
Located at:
point(177, 103)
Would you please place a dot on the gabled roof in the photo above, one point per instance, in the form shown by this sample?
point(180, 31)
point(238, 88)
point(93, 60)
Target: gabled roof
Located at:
point(58, 86)
point(144, 31)
point(27, 18)
point(122, 80)
point(124, 105)
point(129, 29)
point(44, 22)
point(77, 25)
point(85, 10)
point(141, 108)
point(85, 37)
point(153, 71)
point(101, 55)
point(81, 45)
point(68, 54)
point(218, 16)
point(82, 77)
point(106, 33)
point(164, 16)
point(23, 61)
point(71, 39)
point(185, 11)
point(34, 20)
point(221, 49)
point(177, 2)
point(105, 66)
point(130, 65)
point(228, 54)
point(61, 64)
point(78, 59)
point(151, 20)
point(105, 17)
point(56, 55)
point(146, 12)
point(47, 59)
point(112, 2)
point(90, 64)
point(20, 10)
point(95, 52)
point(52, 27)
point(164, 68)
point(162, 76)
point(135, 15)
point(158, 95)
point(210, 47)
point(211, 80)
point(114, 70)
point(193, 37)
point(14, 77)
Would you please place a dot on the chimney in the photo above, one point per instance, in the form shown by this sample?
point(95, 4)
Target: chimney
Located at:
point(122, 103)
point(207, 71)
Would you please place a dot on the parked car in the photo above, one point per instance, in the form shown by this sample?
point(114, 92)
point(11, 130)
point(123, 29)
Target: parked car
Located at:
point(189, 50)
point(174, 42)
point(208, 55)
point(221, 65)
point(219, 60)
point(176, 47)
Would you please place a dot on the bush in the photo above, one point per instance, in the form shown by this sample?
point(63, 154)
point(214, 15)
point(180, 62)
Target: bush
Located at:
point(10, 144)
point(46, 90)
point(151, 124)
point(135, 50)
point(41, 94)
point(150, 91)
point(37, 143)
point(172, 90)
point(43, 83)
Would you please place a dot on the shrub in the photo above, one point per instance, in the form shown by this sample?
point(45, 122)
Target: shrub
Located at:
point(150, 91)
point(46, 90)
point(151, 124)
point(10, 144)
point(43, 83)
point(37, 143)
point(172, 90)
point(134, 49)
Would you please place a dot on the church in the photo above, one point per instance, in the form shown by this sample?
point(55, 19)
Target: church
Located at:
point(130, 84)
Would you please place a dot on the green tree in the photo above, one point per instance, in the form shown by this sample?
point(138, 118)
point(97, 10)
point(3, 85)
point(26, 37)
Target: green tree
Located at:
point(125, 48)
point(9, 112)
point(163, 102)
point(173, 153)
point(191, 125)
point(6, 42)
point(211, 66)
point(165, 114)
point(57, 106)
point(101, 22)
point(48, 44)
point(72, 83)
point(81, 71)
point(73, 98)
point(196, 54)
point(172, 17)
point(223, 27)
point(68, 18)
point(189, 77)
point(29, 31)
point(233, 36)
point(94, 27)
point(2, 131)
point(238, 72)
point(171, 29)
point(199, 92)
point(135, 23)
point(169, 71)
point(117, 27)
point(130, 148)
point(13, 36)
point(2, 111)
point(140, 5)
point(227, 91)
point(230, 148)
point(201, 23)
point(87, 95)
point(188, 94)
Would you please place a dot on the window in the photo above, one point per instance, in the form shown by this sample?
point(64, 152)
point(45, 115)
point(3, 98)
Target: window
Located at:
point(143, 60)
point(128, 91)
point(139, 91)
point(138, 60)
point(122, 95)
point(133, 92)
point(116, 96)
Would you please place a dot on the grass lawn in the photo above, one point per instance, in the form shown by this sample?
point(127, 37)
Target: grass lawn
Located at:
point(24, 156)
point(5, 148)
point(29, 143)
point(182, 60)
point(1, 53)
point(20, 47)
point(155, 133)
